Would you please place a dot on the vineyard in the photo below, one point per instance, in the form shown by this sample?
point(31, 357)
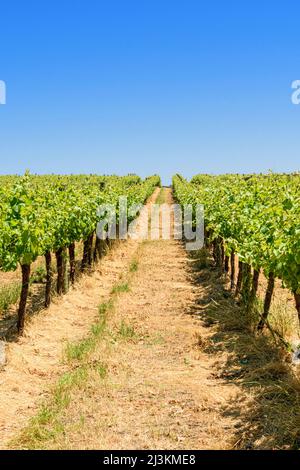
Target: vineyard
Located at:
point(41, 215)
point(141, 343)
point(255, 218)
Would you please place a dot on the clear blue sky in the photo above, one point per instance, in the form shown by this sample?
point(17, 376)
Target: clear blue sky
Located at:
point(150, 86)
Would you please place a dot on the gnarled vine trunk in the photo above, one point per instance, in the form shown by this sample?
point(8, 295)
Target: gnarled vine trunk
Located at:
point(60, 271)
point(267, 302)
point(72, 263)
point(217, 252)
point(232, 268)
point(48, 279)
point(99, 250)
point(90, 249)
point(222, 253)
point(65, 272)
point(87, 258)
point(239, 279)
point(246, 283)
point(23, 299)
point(254, 287)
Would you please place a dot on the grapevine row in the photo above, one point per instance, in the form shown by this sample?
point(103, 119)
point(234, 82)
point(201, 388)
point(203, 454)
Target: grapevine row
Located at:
point(257, 219)
point(42, 215)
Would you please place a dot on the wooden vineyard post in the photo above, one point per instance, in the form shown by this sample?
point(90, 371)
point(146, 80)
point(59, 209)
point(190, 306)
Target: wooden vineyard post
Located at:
point(23, 299)
point(267, 302)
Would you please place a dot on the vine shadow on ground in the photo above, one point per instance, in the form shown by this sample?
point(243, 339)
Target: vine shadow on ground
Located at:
point(268, 407)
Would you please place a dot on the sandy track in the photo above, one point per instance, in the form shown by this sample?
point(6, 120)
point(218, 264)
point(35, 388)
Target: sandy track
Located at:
point(160, 393)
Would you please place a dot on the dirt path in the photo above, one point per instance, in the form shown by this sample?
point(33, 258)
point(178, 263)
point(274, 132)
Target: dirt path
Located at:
point(155, 388)
point(160, 393)
point(151, 351)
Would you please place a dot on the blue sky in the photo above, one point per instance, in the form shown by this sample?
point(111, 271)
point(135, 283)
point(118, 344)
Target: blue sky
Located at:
point(149, 86)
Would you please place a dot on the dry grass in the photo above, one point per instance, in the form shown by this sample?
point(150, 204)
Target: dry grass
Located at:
point(9, 295)
point(175, 365)
point(36, 360)
point(283, 316)
point(11, 288)
point(158, 391)
point(259, 365)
